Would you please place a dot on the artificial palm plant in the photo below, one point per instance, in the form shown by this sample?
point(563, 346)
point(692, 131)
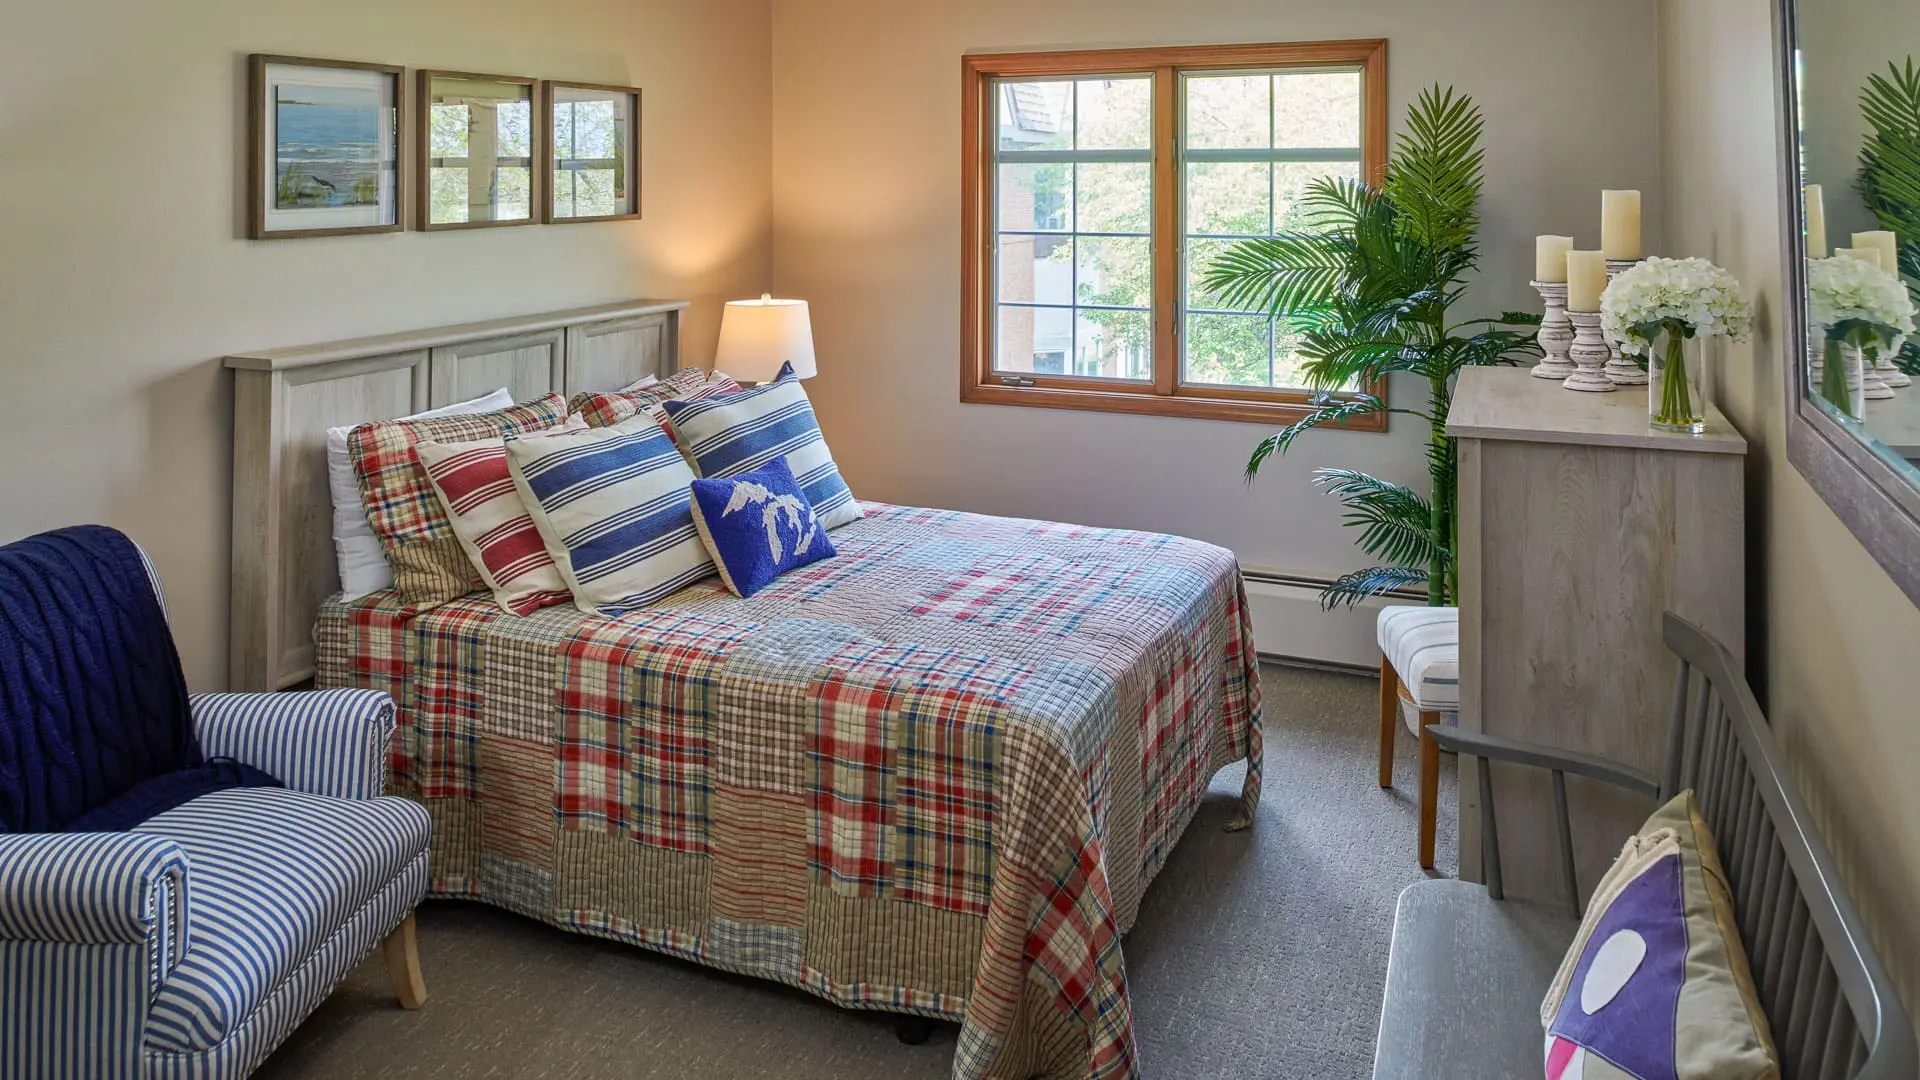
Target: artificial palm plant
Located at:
point(1369, 285)
point(1889, 177)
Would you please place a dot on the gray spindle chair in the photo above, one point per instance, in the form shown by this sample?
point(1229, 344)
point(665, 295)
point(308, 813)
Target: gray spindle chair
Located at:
point(1829, 1002)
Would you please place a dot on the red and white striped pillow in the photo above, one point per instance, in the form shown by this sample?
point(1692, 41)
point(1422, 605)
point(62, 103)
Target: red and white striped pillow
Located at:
point(491, 520)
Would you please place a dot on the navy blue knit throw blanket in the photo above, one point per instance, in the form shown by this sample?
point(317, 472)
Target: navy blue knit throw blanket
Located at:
point(95, 732)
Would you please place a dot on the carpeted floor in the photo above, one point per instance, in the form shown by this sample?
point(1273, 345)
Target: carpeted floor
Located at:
point(1258, 954)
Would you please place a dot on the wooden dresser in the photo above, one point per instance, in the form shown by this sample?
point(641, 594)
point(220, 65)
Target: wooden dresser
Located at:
point(1580, 525)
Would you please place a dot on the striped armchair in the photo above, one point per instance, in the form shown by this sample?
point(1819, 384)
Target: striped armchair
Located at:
point(193, 944)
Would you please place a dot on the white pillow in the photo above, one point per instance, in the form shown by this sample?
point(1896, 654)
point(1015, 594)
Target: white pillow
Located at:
point(645, 381)
point(363, 569)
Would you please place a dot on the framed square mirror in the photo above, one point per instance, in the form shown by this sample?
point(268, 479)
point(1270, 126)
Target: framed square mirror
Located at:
point(324, 147)
point(478, 147)
point(1849, 94)
point(593, 141)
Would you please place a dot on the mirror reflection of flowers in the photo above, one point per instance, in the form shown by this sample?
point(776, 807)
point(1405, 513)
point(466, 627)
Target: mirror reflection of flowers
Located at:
point(1684, 300)
point(1859, 307)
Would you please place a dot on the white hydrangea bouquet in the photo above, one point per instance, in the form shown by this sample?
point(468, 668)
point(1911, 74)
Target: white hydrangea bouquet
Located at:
point(1857, 307)
point(1684, 300)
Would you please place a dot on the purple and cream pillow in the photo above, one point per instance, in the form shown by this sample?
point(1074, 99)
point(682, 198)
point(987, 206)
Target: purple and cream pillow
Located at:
point(1656, 984)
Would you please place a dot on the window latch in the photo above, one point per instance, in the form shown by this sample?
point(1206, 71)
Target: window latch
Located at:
point(1015, 380)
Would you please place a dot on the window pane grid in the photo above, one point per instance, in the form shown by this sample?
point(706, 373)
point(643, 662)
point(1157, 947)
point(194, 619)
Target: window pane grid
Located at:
point(1226, 175)
point(1083, 200)
point(1075, 198)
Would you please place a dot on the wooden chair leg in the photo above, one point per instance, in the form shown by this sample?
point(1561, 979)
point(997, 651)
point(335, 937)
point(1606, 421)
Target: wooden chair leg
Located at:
point(403, 964)
point(1389, 717)
point(1429, 787)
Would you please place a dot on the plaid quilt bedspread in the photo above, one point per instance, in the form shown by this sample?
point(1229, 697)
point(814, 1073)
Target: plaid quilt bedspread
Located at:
point(932, 775)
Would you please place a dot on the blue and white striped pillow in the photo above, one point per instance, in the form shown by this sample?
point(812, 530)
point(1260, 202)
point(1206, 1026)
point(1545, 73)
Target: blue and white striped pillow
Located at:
point(737, 433)
point(614, 508)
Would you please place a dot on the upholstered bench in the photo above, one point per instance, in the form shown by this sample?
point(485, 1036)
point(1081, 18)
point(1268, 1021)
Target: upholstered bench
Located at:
point(1420, 668)
point(1468, 971)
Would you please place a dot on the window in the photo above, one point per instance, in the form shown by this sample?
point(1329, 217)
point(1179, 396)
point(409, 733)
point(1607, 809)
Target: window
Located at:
point(1099, 185)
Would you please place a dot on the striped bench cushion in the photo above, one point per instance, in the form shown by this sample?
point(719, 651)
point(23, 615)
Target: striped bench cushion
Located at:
point(272, 873)
point(727, 436)
point(1423, 645)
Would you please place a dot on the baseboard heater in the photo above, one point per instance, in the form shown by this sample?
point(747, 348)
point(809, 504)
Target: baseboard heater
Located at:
point(1289, 626)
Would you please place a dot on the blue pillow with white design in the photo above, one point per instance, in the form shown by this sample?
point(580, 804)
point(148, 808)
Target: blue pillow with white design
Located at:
point(738, 433)
point(613, 507)
point(757, 526)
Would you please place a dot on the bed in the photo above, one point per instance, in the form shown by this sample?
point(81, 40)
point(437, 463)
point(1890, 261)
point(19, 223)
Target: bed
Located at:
point(933, 775)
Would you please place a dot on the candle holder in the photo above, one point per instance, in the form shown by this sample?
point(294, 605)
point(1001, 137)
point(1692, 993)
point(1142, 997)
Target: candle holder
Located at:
point(1873, 382)
point(1556, 332)
point(1589, 352)
point(1889, 374)
point(1620, 369)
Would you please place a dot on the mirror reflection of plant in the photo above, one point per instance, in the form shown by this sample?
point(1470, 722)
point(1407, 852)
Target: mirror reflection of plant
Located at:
point(1370, 286)
point(1889, 176)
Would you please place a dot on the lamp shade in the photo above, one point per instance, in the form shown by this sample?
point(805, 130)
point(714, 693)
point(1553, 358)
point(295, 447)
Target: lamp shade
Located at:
point(758, 337)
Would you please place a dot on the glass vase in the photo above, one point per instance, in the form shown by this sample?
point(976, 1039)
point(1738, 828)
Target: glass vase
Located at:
point(1843, 379)
point(1674, 400)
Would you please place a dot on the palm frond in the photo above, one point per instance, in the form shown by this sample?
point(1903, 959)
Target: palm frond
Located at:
point(1395, 522)
point(1350, 589)
point(1435, 176)
point(1287, 273)
point(1332, 413)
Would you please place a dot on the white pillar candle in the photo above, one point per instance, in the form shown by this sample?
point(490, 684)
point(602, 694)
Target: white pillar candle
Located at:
point(1586, 279)
point(1550, 258)
point(1864, 254)
point(1620, 224)
point(1887, 244)
point(1816, 204)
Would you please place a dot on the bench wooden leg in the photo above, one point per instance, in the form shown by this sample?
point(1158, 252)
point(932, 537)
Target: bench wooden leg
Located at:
point(1429, 786)
point(1389, 717)
point(403, 964)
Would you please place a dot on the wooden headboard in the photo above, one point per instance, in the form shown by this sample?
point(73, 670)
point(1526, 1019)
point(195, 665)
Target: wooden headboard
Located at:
point(284, 400)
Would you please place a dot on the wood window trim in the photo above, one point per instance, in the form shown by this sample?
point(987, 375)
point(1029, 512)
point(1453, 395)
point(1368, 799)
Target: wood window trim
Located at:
point(1163, 395)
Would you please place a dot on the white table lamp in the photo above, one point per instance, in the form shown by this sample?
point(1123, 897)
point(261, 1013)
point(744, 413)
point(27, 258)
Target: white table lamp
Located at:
point(758, 337)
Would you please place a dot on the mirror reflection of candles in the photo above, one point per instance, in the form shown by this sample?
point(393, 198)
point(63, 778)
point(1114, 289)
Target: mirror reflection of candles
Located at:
point(1860, 158)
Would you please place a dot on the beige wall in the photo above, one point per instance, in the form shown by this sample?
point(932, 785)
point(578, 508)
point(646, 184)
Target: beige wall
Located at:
point(867, 228)
point(122, 279)
point(1840, 639)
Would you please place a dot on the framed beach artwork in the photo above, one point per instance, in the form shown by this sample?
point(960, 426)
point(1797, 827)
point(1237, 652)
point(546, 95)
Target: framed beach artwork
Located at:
point(478, 148)
point(593, 151)
point(325, 141)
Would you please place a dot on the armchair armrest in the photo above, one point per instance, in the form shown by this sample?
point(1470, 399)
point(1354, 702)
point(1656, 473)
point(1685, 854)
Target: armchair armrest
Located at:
point(95, 889)
point(1559, 762)
point(321, 742)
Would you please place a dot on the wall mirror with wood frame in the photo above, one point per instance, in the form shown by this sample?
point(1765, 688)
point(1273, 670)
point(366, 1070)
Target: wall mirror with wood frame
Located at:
point(593, 151)
point(478, 147)
point(1849, 79)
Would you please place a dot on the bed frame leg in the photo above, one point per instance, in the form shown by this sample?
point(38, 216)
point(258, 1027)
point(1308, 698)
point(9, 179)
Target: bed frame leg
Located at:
point(913, 1030)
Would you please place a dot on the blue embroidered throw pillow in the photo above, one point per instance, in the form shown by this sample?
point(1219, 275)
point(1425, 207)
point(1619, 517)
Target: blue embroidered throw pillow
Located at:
point(737, 433)
point(758, 525)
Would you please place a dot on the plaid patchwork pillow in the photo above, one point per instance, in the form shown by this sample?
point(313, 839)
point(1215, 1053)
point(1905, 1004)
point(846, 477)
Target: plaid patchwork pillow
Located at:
point(614, 406)
point(429, 565)
point(492, 522)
